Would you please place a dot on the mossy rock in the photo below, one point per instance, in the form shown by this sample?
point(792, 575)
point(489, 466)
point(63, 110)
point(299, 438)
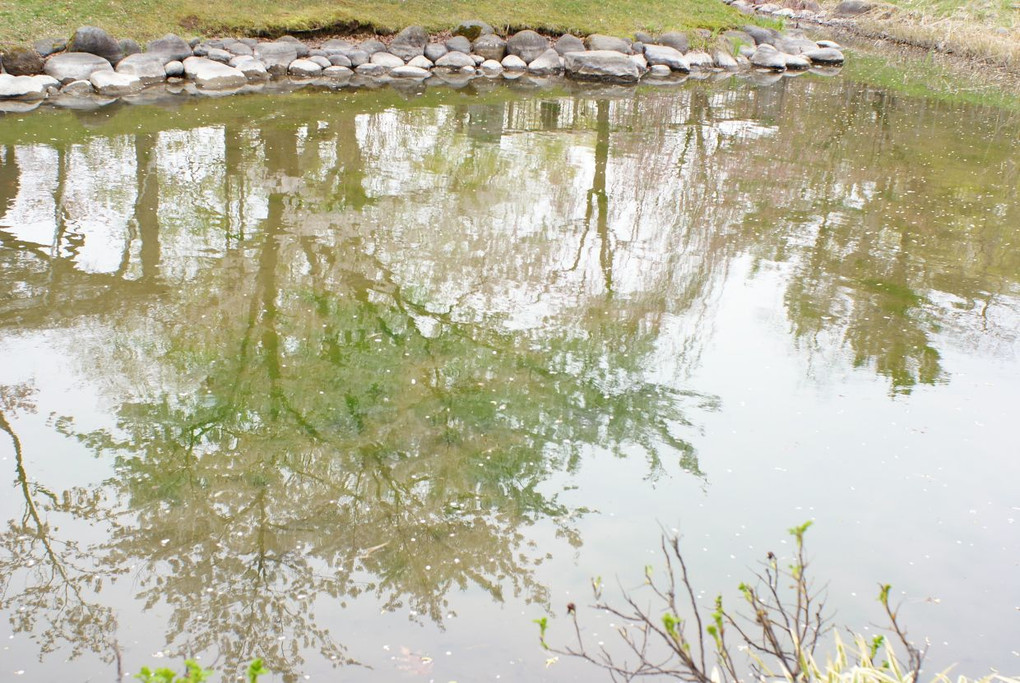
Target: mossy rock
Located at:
point(22, 61)
point(472, 29)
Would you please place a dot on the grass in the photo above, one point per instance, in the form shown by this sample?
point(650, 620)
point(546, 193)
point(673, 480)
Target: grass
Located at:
point(22, 21)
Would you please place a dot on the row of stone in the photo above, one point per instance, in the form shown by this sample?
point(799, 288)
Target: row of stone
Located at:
point(94, 62)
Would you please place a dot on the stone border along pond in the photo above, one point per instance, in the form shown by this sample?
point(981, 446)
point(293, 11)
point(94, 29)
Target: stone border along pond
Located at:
point(93, 69)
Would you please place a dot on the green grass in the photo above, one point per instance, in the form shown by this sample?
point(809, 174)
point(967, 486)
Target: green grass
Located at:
point(22, 21)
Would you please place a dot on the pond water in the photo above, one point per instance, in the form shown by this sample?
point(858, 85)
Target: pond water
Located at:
point(363, 383)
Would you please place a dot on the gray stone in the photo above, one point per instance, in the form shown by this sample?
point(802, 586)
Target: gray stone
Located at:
point(21, 87)
point(601, 65)
point(359, 57)
point(797, 62)
point(699, 59)
point(849, 8)
point(677, 41)
point(490, 67)
point(526, 44)
point(829, 44)
point(478, 59)
point(421, 61)
point(434, 51)
point(665, 55)
point(767, 57)
point(338, 45)
point(489, 46)
point(19, 106)
point(825, 55)
point(219, 55)
point(762, 35)
point(175, 69)
point(78, 88)
point(75, 66)
point(370, 69)
point(239, 49)
point(387, 60)
point(147, 68)
point(458, 44)
point(114, 84)
point(597, 41)
point(411, 72)
point(738, 38)
point(96, 41)
point(724, 60)
point(372, 46)
point(253, 70)
point(795, 45)
point(409, 43)
point(340, 60)
point(49, 46)
point(642, 37)
point(213, 75)
point(513, 63)
point(546, 64)
point(170, 47)
point(637, 48)
point(320, 60)
point(276, 55)
point(660, 70)
point(302, 49)
point(455, 60)
point(642, 63)
point(472, 29)
point(129, 47)
point(316, 52)
point(337, 72)
point(568, 43)
point(304, 68)
point(23, 61)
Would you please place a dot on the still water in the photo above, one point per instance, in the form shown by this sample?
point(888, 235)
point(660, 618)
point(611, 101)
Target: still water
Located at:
point(363, 383)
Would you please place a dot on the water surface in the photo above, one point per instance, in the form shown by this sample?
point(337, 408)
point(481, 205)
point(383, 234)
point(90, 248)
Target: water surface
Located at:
point(352, 380)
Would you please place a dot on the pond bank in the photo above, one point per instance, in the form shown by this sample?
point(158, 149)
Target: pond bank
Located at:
point(96, 67)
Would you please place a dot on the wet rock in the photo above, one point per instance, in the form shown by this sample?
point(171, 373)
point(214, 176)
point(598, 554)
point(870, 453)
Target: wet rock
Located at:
point(434, 51)
point(490, 67)
point(23, 61)
point(666, 56)
point(724, 60)
point(597, 41)
point(478, 59)
point(513, 63)
point(677, 41)
point(115, 84)
point(546, 64)
point(78, 88)
point(526, 44)
point(639, 59)
point(337, 72)
point(410, 72)
point(340, 60)
point(797, 62)
point(489, 46)
point(147, 68)
point(75, 66)
point(96, 41)
point(421, 61)
point(22, 87)
point(320, 60)
point(455, 60)
point(253, 70)
point(659, 70)
point(699, 59)
point(304, 68)
point(768, 57)
point(601, 65)
point(276, 55)
point(850, 8)
point(387, 60)
point(409, 43)
point(472, 29)
point(825, 55)
point(370, 69)
point(49, 46)
point(213, 75)
point(568, 43)
point(175, 69)
point(170, 47)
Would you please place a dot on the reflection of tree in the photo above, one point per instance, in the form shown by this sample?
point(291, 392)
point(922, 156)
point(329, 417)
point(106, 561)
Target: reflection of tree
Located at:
point(48, 580)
